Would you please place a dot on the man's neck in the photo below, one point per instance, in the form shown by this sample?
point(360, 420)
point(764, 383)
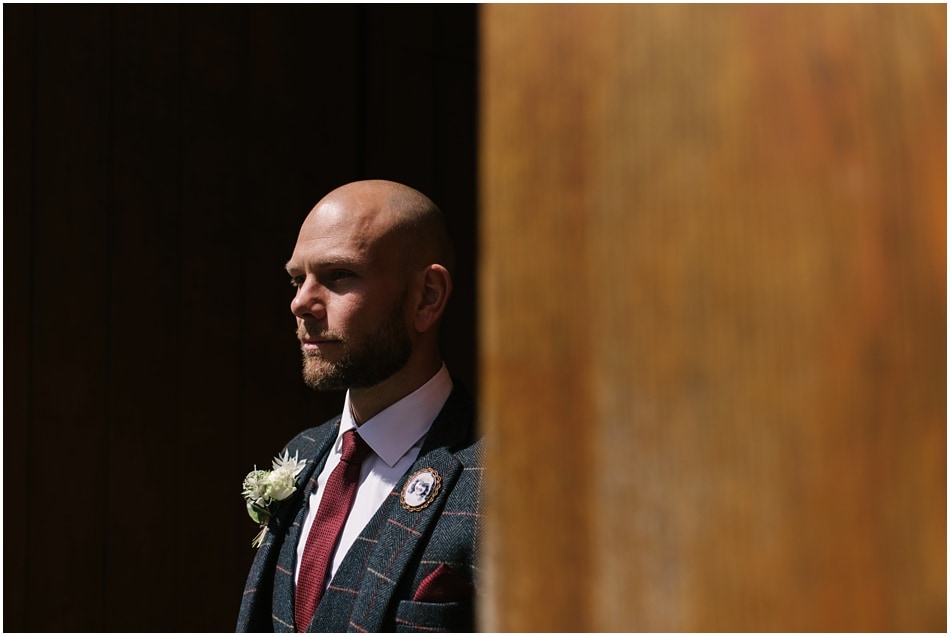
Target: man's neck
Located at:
point(367, 402)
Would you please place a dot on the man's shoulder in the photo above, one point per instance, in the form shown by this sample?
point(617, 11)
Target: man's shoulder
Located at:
point(312, 440)
point(471, 454)
point(456, 429)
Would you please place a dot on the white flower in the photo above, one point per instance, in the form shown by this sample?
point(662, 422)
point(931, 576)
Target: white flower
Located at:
point(290, 464)
point(280, 485)
point(264, 487)
point(255, 487)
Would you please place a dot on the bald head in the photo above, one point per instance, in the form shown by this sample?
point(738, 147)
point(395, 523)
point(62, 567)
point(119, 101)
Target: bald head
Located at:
point(371, 268)
point(392, 215)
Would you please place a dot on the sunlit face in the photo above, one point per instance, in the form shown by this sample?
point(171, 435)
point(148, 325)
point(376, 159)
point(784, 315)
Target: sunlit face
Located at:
point(350, 300)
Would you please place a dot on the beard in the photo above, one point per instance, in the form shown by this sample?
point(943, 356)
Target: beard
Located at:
point(365, 363)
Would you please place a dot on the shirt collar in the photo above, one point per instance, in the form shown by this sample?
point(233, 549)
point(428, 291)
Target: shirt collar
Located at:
point(398, 427)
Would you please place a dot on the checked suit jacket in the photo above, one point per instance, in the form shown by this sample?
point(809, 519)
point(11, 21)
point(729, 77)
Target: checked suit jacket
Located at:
point(407, 570)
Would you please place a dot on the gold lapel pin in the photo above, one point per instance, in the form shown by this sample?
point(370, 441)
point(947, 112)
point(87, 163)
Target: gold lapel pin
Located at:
point(420, 489)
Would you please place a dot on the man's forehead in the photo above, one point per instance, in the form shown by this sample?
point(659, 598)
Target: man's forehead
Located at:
point(317, 249)
point(336, 244)
point(308, 259)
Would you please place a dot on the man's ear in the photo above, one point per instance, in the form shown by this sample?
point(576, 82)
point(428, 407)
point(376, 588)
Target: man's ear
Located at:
point(436, 289)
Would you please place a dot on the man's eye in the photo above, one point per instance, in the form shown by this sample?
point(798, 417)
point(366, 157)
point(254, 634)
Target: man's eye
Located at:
point(340, 274)
point(297, 281)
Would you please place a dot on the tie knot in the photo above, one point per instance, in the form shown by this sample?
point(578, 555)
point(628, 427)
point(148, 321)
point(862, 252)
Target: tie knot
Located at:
point(355, 448)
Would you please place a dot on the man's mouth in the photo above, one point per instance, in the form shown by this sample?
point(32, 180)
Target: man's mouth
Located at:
point(316, 343)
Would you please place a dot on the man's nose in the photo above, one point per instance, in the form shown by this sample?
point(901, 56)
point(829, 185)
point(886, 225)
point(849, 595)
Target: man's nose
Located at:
point(309, 301)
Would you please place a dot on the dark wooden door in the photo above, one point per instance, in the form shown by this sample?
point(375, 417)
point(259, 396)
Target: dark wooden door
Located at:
point(158, 161)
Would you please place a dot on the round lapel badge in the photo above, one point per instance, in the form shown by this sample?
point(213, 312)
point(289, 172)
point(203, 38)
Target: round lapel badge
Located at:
point(420, 489)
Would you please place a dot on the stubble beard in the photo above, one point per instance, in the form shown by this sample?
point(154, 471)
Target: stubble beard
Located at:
point(364, 364)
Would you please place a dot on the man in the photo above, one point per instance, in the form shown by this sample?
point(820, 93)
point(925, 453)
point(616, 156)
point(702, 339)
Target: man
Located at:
point(372, 271)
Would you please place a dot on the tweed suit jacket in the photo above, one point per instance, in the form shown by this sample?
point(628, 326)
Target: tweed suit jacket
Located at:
point(378, 584)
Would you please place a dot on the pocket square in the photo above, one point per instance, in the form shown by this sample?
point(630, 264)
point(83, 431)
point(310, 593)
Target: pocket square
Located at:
point(443, 585)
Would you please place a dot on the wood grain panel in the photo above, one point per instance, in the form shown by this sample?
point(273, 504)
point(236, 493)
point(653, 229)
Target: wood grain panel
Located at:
point(535, 364)
point(145, 320)
point(715, 268)
point(453, 182)
point(18, 128)
point(399, 108)
point(66, 475)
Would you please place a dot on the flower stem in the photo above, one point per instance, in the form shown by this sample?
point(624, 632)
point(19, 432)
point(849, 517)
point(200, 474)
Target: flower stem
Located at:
point(259, 539)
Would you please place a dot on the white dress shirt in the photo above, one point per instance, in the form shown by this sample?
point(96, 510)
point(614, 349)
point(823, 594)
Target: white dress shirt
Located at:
point(395, 436)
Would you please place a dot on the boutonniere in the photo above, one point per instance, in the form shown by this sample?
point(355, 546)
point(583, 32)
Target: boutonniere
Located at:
point(264, 488)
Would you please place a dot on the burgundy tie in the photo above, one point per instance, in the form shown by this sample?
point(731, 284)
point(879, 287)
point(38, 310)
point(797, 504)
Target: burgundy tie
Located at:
point(335, 504)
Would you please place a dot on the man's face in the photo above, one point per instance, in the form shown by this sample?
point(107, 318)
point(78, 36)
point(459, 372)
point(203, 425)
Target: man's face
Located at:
point(350, 300)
